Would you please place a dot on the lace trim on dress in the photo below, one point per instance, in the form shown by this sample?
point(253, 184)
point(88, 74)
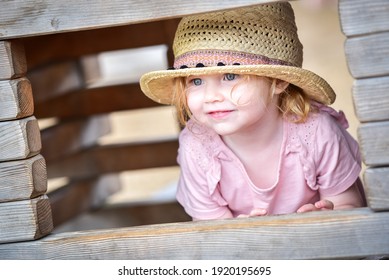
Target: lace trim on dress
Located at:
point(207, 154)
point(301, 141)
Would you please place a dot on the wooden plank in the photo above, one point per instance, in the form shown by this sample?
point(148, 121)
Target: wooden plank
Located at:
point(115, 158)
point(15, 99)
point(72, 136)
point(92, 101)
point(12, 59)
point(88, 199)
point(123, 127)
point(83, 196)
point(374, 142)
point(19, 139)
point(362, 17)
point(56, 79)
point(368, 56)
point(25, 220)
point(120, 192)
point(377, 188)
point(23, 179)
point(127, 216)
point(72, 45)
point(356, 233)
point(146, 186)
point(50, 16)
point(371, 99)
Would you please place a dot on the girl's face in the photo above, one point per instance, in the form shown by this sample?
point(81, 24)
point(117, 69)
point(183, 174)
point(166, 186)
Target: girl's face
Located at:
point(229, 103)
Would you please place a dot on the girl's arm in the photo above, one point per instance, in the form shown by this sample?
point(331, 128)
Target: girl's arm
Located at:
point(350, 198)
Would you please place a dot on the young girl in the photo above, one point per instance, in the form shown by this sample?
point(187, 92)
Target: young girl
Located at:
point(259, 138)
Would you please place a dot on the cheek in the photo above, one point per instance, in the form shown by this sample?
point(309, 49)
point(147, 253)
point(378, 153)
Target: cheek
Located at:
point(245, 96)
point(251, 95)
point(194, 102)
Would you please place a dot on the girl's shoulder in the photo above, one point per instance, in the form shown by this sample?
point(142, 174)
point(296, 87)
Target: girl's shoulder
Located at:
point(324, 118)
point(323, 125)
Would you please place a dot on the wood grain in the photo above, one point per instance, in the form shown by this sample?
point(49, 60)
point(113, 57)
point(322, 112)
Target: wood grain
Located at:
point(353, 233)
point(19, 139)
point(73, 136)
point(51, 16)
point(73, 45)
point(114, 158)
point(374, 142)
point(377, 188)
point(92, 101)
point(12, 58)
point(56, 79)
point(15, 99)
point(361, 17)
point(371, 99)
point(23, 179)
point(83, 196)
point(119, 216)
point(368, 56)
point(25, 220)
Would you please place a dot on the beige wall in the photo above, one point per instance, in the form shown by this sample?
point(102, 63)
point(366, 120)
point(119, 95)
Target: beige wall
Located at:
point(319, 30)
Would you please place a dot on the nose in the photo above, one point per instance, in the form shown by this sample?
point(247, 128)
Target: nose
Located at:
point(213, 92)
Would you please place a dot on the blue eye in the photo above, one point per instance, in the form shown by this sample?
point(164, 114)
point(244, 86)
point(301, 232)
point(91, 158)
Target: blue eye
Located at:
point(230, 76)
point(197, 81)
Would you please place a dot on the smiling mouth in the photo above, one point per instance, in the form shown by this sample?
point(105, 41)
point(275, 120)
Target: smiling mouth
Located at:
point(219, 114)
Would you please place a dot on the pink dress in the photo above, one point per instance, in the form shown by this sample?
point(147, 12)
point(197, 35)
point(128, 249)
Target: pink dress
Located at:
point(317, 157)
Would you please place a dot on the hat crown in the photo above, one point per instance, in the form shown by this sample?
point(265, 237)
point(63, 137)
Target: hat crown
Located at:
point(267, 30)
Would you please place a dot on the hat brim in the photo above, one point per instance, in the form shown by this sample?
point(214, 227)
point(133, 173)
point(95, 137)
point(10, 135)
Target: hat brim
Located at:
point(158, 85)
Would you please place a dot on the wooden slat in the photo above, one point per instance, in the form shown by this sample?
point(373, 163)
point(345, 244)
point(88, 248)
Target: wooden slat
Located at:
point(25, 220)
point(330, 235)
point(88, 199)
point(362, 17)
point(72, 45)
point(83, 196)
point(51, 16)
point(377, 188)
point(72, 136)
point(19, 139)
point(15, 99)
point(374, 141)
point(368, 56)
point(56, 79)
point(92, 101)
point(115, 158)
point(127, 216)
point(12, 59)
point(23, 179)
point(371, 99)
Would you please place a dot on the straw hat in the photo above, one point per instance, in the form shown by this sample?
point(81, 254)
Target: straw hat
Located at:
point(260, 40)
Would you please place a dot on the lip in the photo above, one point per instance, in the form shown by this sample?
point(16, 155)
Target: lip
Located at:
point(219, 114)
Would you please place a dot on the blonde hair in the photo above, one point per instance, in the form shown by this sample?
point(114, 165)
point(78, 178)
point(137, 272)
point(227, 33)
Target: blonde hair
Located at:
point(294, 104)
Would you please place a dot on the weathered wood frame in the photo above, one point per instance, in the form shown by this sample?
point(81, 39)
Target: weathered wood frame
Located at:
point(354, 233)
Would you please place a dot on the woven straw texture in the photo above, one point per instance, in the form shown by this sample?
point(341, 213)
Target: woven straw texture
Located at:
point(268, 30)
point(260, 40)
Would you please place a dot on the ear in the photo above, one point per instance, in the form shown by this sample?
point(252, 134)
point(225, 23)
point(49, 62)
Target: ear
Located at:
point(280, 86)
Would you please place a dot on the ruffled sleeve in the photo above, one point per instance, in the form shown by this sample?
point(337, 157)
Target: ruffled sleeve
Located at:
point(328, 154)
point(337, 154)
point(339, 116)
point(198, 190)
